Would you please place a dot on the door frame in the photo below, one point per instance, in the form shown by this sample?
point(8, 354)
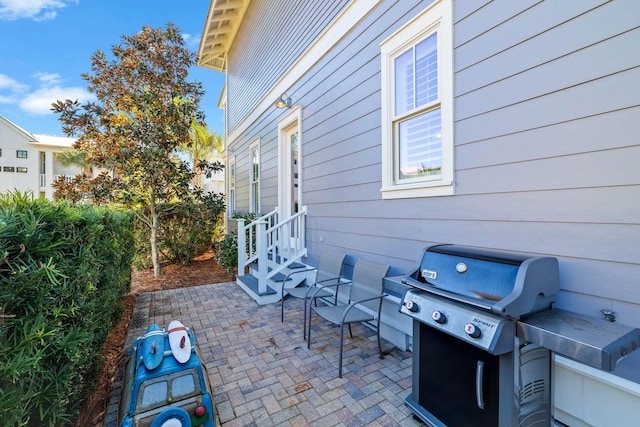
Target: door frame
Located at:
point(293, 120)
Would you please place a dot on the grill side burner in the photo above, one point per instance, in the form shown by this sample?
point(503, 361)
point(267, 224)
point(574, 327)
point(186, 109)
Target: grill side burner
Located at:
point(469, 367)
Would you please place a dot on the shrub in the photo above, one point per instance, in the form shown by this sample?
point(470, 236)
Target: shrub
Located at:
point(226, 252)
point(63, 271)
point(227, 247)
point(186, 229)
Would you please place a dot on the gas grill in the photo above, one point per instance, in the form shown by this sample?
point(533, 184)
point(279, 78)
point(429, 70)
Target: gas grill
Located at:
point(469, 366)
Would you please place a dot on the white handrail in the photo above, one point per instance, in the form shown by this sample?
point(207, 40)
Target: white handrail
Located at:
point(274, 245)
point(247, 244)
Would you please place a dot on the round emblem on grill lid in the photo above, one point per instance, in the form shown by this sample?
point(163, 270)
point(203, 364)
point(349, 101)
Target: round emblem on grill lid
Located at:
point(461, 267)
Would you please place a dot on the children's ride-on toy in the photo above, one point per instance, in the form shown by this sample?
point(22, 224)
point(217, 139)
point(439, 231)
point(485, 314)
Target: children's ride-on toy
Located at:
point(165, 382)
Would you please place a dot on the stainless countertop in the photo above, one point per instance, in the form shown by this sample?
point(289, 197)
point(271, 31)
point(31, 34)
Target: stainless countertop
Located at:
point(592, 341)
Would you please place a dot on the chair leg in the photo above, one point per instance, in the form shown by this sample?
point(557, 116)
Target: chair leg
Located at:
point(350, 333)
point(341, 345)
point(282, 309)
point(304, 323)
point(381, 356)
point(309, 329)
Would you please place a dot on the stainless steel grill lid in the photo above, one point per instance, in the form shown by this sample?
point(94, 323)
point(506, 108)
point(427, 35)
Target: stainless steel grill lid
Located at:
point(508, 284)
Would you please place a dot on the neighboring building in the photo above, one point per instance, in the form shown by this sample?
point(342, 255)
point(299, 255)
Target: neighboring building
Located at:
point(215, 183)
point(497, 124)
point(28, 161)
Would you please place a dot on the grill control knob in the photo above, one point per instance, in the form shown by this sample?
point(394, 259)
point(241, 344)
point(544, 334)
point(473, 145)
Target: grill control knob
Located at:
point(439, 317)
point(411, 306)
point(472, 330)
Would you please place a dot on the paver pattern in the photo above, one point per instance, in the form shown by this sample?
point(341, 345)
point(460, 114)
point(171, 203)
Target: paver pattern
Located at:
point(261, 371)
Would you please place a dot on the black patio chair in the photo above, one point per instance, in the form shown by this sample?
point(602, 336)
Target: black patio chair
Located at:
point(365, 303)
point(328, 272)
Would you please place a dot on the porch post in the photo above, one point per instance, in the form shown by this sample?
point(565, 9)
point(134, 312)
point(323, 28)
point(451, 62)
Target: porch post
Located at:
point(263, 262)
point(242, 245)
point(303, 231)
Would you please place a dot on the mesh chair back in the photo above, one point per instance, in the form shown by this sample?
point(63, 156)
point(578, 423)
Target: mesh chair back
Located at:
point(367, 282)
point(329, 266)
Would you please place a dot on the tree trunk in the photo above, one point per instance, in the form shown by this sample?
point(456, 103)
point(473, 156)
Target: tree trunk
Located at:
point(154, 237)
point(197, 178)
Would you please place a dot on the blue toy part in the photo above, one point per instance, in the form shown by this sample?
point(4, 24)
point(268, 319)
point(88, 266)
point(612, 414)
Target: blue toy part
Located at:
point(153, 346)
point(172, 417)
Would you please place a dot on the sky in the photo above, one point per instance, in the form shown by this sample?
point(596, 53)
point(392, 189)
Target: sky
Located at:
point(47, 44)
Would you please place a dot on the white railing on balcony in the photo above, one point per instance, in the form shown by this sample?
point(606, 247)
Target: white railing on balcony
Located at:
point(273, 245)
point(66, 177)
point(43, 180)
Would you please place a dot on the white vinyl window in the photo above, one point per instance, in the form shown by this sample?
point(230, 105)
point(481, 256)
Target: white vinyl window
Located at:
point(417, 100)
point(254, 190)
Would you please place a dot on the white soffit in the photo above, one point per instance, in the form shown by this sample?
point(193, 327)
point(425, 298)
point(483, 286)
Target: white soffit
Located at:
point(223, 19)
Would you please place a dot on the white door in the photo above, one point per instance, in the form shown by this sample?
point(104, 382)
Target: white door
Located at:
point(289, 200)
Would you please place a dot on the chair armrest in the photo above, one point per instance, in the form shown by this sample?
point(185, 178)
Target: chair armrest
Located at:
point(306, 270)
point(331, 278)
point(319, 284)
point(355, 303)
point(316, 288)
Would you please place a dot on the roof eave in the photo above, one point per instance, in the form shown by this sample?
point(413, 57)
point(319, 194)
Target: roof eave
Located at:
point(223, 20)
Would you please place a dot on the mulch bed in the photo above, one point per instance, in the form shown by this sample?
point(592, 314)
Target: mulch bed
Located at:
point(203, 270)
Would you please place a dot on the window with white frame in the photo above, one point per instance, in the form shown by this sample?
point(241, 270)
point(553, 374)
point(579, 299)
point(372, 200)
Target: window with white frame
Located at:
point(417, 101)
point(231, 195)
point(254, 190)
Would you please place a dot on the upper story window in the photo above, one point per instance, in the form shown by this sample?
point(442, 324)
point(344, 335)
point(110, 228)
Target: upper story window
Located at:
point(43, 162)
point(417, 103)
point(254, 189)
point(21, 154)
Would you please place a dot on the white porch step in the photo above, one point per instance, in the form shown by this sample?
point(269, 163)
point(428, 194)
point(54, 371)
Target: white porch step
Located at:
point(249, 282)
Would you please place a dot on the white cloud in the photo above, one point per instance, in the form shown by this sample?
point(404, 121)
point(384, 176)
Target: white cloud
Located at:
point(39, 102)
point(12, 85)
point(190, 40)
point(8, 99)
point(38, 10)
point(48, 79)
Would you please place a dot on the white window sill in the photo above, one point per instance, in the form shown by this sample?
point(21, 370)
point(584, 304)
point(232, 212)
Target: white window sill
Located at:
point(417, 190)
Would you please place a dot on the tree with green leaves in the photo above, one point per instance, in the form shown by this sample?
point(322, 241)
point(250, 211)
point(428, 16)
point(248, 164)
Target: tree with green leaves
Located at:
point(202, 146)
point(73, 157)
point(144, 111)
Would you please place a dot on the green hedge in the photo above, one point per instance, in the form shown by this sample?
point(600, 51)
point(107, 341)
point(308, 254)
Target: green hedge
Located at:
point(63, 271)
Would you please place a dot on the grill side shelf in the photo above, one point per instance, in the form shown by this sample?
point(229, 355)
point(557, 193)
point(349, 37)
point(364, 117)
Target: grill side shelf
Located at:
point(591, 341)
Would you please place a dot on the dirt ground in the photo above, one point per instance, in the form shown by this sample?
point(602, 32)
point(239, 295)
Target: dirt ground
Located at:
point(202, 270)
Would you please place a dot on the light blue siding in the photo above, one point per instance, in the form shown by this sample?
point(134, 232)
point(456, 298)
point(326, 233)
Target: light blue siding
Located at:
point(547, 139)
point(269, 41)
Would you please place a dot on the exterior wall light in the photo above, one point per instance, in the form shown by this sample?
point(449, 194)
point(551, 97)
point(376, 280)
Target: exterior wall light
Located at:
point(283, 102)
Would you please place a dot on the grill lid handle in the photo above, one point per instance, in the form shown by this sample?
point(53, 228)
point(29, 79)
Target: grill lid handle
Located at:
point(479, 383)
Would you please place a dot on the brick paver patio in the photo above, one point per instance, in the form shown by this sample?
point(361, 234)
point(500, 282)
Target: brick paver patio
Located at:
point(261, 371)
